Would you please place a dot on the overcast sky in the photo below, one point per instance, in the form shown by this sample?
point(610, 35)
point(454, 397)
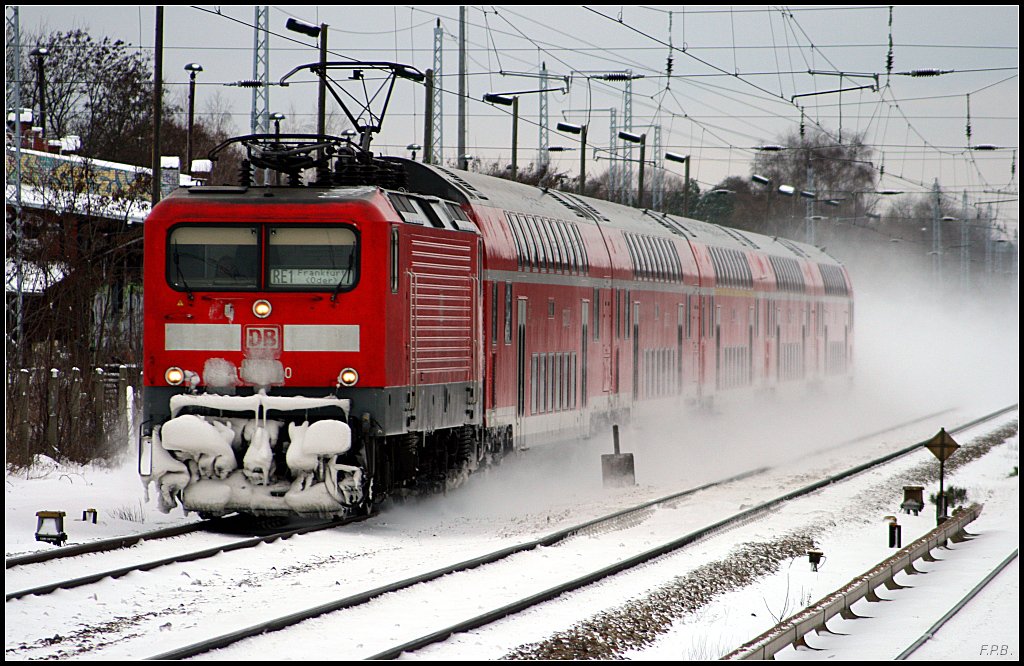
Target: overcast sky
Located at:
point(735, 74)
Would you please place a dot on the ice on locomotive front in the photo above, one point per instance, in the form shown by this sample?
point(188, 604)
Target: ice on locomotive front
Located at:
point(260, 465)
point(232, 430)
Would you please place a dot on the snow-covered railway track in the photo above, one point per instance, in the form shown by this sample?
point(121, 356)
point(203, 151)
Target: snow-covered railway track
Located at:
point(740, 518)
point(607, 522)
point(928, 635)
point(526, 602)
point(472, 577)
point(304, 578)
point(189, 554)
point(118, 543)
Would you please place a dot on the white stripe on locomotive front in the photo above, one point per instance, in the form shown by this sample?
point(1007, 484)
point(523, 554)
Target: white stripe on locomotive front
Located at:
point(321, 338)
point(203, 337)
point(228, 337)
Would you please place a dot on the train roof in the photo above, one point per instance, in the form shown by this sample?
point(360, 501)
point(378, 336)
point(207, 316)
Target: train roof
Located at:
point(261, 194)
point(466, 187)
point(480, 189)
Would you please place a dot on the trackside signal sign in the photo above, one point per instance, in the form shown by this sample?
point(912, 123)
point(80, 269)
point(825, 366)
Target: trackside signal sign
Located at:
point(942, 445)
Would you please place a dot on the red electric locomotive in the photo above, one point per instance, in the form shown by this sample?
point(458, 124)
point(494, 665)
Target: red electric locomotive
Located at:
point(311, 349)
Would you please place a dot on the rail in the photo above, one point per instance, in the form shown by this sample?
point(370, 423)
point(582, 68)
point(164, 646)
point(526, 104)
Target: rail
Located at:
point(928, 635)
point(185, 557)
point(104, 545)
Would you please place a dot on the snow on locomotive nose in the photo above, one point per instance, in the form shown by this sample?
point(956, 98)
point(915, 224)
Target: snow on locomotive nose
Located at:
point(261, 465)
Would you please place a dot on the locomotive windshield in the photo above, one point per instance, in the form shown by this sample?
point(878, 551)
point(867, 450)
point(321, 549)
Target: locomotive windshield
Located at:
point(211, 257)
point(311, 257)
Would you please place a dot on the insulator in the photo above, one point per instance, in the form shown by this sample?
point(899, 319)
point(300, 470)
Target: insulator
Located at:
point(323, 174)
point(968, 120)
point(889, 59)
point(245, 174)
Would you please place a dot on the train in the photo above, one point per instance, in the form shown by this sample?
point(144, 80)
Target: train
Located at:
point(389, 326)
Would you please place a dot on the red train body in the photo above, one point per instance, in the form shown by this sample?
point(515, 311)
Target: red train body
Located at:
point(357, 341)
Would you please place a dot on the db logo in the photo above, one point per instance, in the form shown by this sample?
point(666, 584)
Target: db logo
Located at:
point(263, 337)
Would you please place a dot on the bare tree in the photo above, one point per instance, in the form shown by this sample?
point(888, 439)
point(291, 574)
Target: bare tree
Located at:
point(838, 172)
point(540, 175)
point(211, 128)
point(101, 90)
point(98, 90)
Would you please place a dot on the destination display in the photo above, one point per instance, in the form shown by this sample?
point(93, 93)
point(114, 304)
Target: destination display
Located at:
point(307, 277)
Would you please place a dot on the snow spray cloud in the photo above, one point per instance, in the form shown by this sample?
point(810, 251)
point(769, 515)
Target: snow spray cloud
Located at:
point(923, 343)
point(918, 350)
point(528, 492)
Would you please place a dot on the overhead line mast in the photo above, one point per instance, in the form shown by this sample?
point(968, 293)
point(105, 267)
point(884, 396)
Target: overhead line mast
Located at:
point(544, 137)
point(259, 121)
point(13, 94)
point(437, 100)
point(462, 162)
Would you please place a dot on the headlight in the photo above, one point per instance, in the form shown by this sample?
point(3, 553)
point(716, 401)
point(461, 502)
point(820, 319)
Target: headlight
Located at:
point(174, 376)
point(348, 377)
point(261, 308)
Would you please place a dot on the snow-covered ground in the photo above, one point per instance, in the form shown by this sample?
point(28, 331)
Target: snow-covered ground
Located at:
point(853, 541)
point(115, 492)
point(503, 506)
